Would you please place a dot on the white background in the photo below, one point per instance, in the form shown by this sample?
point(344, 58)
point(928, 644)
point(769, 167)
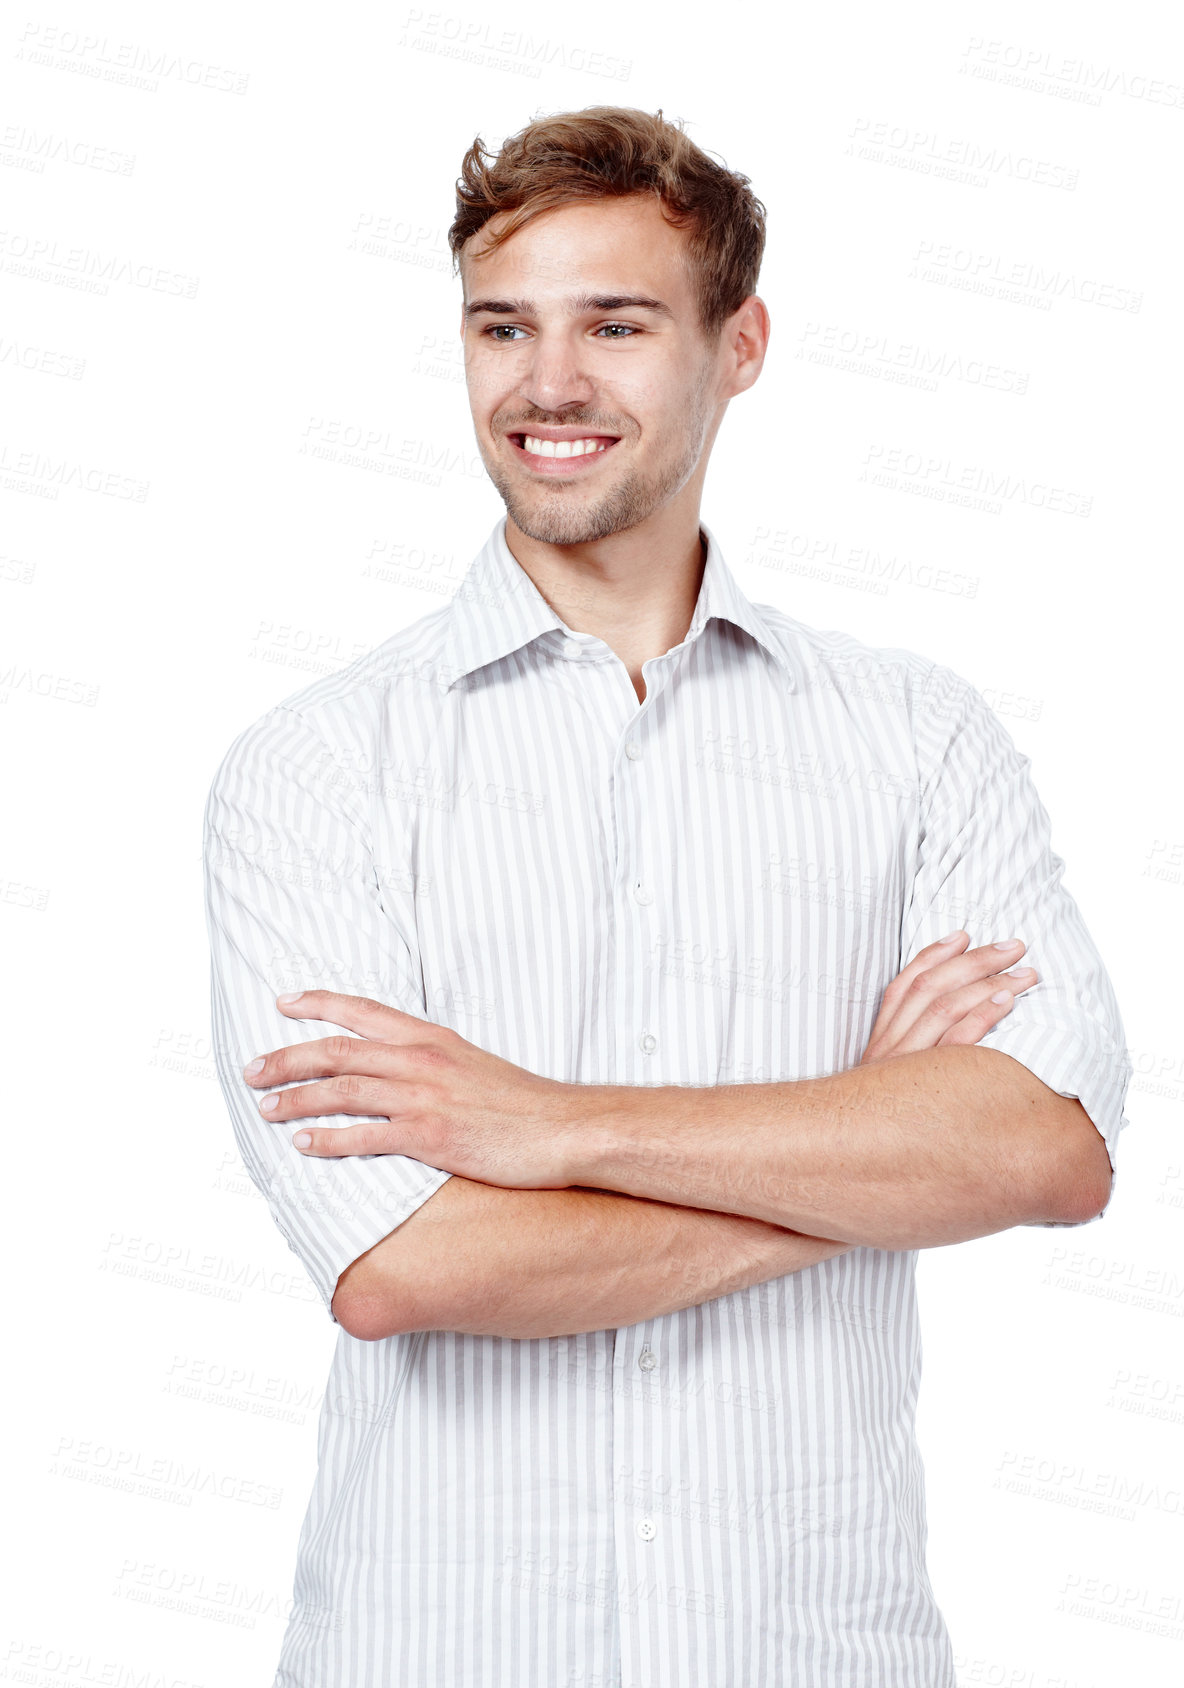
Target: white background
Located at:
point(223, 246)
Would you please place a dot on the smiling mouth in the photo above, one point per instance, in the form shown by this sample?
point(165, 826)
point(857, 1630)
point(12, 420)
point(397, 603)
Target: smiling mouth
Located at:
point(537, 451)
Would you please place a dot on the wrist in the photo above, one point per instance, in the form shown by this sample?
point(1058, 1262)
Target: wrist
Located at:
point(595, 1123)
point(631, 1139)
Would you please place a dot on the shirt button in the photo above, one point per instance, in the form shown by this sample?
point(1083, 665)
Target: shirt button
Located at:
point(641, 895)
point(648, 1043)
point(632, 751)
point(647, 1359)
point(647, 1529)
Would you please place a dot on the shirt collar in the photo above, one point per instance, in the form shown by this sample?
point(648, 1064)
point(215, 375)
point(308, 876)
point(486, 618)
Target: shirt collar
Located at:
point(497, 609)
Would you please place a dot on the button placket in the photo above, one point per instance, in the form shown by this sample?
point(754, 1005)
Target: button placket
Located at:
point(646, 1042)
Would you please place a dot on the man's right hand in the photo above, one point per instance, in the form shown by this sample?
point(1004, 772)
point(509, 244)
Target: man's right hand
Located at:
point(947, 994)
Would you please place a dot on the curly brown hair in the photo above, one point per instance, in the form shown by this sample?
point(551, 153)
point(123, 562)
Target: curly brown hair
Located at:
point(606, 152)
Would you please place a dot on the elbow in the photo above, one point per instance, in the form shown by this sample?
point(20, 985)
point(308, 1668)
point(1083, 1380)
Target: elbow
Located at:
point(367, 1321)
point(1081, 1175)
point(1081, 1198)
point(364, 1311)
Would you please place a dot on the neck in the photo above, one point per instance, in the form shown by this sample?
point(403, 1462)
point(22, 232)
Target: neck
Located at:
point(634, 590)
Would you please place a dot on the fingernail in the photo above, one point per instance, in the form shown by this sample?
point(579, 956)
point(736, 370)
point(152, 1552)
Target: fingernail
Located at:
point(1001, 996)
point(1010, 943)
point(289, 999)
point(269, 1103)
point(302, 1139)
point(253, 1067)
point(951, 937)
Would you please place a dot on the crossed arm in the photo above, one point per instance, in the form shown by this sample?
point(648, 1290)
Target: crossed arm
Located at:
point(573, 1208)
point(532, 1263)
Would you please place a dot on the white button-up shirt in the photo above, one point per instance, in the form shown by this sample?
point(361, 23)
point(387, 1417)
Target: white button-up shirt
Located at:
point(479, 823)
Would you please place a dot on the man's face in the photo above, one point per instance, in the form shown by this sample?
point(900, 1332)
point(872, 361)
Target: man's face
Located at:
point(562, 346)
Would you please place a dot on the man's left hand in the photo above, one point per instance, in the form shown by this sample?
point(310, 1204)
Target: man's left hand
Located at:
point(436, 1097)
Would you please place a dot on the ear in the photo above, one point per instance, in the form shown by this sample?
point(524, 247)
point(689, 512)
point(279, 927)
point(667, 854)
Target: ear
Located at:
point(747, 334)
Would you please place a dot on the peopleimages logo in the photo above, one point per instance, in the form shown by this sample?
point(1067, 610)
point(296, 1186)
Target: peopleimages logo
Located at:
point(53, 473)
point(1015, 280)
point(45, 1662)
point(127, 62)
point(880, 141)
point(897, 468)
point(1080, 80)
point(857, 352)
point(45, 259)
point(475, 41)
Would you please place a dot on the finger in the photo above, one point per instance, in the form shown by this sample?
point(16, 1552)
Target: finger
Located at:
point(356, 1013)
point(950, 1008)
point(949, 1012)
point(347, 1095)
point(947, 976)
point(974, 1024)
point(928, 957)
point(985, 1015)
point(334, 1142)
point(982, 1018)
point(942, 950)
point(325, 1057)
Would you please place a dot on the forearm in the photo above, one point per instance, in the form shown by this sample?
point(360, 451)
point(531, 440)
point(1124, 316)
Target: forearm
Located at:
point(917, 1151)
point(536, 1263)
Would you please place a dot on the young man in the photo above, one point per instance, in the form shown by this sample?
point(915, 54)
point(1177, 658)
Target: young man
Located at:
point(597, 884)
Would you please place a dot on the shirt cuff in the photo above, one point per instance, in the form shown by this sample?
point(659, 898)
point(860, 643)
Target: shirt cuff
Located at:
point(329, 1221)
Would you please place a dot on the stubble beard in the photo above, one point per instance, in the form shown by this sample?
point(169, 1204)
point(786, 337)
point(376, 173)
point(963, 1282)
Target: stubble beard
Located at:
point(548, 514)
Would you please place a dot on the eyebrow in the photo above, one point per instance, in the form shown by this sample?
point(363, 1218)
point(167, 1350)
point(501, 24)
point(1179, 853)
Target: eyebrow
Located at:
point(585, 302)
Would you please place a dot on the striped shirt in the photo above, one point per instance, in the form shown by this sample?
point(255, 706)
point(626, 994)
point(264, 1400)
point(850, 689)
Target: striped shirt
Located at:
point(480, 824)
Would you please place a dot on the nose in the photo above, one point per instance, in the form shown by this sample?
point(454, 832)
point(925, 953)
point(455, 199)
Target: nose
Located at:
point(553, 376)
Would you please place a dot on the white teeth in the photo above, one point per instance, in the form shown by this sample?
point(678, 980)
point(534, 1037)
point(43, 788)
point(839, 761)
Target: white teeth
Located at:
point(561, 448)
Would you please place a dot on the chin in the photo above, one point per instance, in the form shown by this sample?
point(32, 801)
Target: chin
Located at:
point(552, 522)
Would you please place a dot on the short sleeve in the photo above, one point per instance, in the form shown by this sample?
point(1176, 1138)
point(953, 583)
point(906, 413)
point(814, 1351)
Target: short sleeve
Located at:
point(292, 903)
point(986, 865)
